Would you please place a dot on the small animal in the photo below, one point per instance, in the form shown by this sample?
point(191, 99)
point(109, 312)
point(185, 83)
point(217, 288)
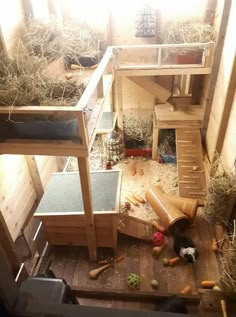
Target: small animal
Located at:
point(185, 248)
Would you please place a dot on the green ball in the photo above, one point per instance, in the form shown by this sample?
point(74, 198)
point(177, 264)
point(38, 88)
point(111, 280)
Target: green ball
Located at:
point(134, 281)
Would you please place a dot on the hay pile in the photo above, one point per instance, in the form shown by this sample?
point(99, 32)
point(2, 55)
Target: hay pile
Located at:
point(221, 189)
point(25, 82)
point(138, 129)
point(50, 39)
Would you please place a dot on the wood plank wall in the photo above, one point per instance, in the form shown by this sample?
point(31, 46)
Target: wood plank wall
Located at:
point(17, 192)
point(221, 100)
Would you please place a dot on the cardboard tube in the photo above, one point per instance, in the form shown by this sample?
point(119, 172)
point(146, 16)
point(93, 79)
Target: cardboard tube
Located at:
point(168, 213)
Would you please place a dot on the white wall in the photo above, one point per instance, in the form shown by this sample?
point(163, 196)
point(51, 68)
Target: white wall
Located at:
point(11, 19)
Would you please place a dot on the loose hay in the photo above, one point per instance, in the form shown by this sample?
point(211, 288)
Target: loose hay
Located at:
point(221, 189)
point(138, 129)
point(50, 39)
point(228, 277)
point(24, 82)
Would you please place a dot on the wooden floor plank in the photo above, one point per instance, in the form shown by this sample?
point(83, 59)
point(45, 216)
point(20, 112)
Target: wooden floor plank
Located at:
point(72, 263)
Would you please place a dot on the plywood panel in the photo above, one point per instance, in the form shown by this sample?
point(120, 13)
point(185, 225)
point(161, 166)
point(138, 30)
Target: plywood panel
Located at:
point(47, 165)
point(136, 97)
point(70, 230)
point(222, 84)
point(17, 194)
point(229, 146)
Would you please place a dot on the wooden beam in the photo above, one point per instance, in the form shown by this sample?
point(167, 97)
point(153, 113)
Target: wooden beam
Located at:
point(152, 71)
point(119, 103)
point(149, 84)
point(2, 42)
point(154, 138)
point(39, 239)
point(88, 209)
point(28, 9)
point(7, 249)
point(216, 64)
point(138, 295)
point(225, 115)
point(34, 173)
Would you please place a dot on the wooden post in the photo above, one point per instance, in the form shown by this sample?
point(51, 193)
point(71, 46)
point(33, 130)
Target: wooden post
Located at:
point(154, 138)
point(7, 250)
point(224, 16)
point(88, 209)
point(34, 173)
point(225, 116)
point(2, 42)
point(100, 92)
point(119, 103)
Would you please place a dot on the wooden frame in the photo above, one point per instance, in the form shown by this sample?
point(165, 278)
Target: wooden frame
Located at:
point(94, 228)
point(100, 86)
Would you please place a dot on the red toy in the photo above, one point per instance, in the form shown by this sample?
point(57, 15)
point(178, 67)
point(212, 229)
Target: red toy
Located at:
point(158, 239)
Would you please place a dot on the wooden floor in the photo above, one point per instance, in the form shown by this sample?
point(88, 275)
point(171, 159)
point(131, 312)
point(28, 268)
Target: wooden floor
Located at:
point(72, 264)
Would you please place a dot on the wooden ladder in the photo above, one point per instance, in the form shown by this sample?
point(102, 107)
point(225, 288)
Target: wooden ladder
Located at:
point(191, 172)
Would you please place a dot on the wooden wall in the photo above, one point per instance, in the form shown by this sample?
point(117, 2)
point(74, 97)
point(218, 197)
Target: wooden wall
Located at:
point(220, 134)
point(17, 192)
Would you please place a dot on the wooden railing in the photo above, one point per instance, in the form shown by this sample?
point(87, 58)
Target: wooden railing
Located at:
point(138, 58)
point(155, 56)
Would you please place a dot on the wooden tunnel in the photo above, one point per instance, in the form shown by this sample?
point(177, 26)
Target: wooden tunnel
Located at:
point(174, 212)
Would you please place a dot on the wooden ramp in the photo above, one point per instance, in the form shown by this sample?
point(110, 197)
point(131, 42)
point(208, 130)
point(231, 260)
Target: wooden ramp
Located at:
point(192, 182)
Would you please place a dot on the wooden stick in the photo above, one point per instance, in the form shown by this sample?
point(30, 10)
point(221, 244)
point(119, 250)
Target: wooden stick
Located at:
point(132, 200)
point(158, 227)
point(223, 307)
point(214, 245)
point(139, 198)
point(94, 273)
point(133, 170)
point(141, 172)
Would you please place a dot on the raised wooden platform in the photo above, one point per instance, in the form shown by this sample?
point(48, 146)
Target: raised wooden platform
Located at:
point(191, 172)
point(73, 265)
point(62, 212)
point(184, 116)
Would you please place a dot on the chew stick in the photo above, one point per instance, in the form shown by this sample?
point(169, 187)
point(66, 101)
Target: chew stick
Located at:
point(132, 200)
point(158, 227)
point(139, 198)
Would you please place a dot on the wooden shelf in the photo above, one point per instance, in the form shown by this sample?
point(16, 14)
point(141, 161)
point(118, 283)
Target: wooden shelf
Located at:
point(183, 116)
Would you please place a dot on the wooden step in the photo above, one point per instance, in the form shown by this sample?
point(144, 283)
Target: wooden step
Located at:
point(148, 83)
point(192, 182)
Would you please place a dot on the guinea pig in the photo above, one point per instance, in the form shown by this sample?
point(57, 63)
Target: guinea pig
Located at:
point(185, 248)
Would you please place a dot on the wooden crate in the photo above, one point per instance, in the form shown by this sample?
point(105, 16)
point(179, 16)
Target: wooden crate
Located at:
point(62, 214)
